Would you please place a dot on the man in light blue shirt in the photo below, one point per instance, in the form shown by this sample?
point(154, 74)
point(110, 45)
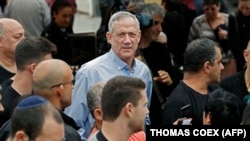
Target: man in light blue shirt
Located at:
point(123, 35)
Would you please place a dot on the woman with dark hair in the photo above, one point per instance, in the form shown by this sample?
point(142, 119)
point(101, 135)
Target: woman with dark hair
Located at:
point(213, 24)
point(59, 29)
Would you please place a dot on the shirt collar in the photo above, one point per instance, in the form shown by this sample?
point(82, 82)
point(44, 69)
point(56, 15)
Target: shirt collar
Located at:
point(120, 63)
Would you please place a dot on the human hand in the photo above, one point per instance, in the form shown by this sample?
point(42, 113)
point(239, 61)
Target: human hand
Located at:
point(183, 121)
point(163, 77)
point(222, 33)
point(1, 106)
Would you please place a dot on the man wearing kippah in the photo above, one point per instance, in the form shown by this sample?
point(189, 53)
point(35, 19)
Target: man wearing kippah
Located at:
point(41, 122)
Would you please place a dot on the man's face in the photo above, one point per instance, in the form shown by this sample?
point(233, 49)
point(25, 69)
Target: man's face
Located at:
point(152, 33)
point(216, 67)
point(124, 38)
point(14, 33)
point(67, 89)
point(138, 121)
point(244, 7)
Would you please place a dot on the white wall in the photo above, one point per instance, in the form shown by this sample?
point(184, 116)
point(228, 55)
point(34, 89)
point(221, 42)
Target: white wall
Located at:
point(89, 7)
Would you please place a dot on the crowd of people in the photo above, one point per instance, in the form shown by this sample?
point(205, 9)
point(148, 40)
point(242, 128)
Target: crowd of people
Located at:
point(162, 64)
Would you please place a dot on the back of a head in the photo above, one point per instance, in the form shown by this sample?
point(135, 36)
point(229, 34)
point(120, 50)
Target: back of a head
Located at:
point(197, 53)
point(48, 73)
point(32, 50)
point(30, 115)
point(225, 108)
point(94, 96)
point(117, 92)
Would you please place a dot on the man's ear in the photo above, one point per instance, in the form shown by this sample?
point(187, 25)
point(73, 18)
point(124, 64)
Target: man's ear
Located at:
point(32, 67)
point(139, 38)
point(206, 67)
point(21, 136)
point(129, 109)
point(246, 55)
point(59, 91)
point(109, 37)
point(98, 114)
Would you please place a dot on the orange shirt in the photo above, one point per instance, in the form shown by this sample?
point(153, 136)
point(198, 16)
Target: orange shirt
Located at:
point(138, 136)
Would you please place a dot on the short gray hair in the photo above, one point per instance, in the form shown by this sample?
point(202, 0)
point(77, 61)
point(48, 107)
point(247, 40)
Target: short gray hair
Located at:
point(121, 15)
point(94, 96)
point(152, 9)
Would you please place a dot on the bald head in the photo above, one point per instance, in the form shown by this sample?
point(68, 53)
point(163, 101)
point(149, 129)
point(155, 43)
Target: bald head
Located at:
point(13, 31)
point(7, 24)
point(48, 73)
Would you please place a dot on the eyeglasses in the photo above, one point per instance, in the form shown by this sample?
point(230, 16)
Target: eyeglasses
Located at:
point(64, 83)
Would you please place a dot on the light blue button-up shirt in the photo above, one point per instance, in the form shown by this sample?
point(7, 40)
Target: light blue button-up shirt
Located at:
point(102, 68)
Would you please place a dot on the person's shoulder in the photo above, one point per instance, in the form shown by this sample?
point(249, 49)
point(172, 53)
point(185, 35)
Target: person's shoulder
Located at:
point(141, 64)
point(9, 92)
point(71, 133)
point(69, 120)
point(226, 15)
point(199, 18)
point(5, 84)
point(138, 136)
point(42, 3)
point(92, 64)
point(5, 130)
point(47, 30)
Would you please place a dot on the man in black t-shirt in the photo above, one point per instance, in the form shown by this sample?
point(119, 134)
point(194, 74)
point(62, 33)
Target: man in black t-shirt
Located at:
point(29, 52)
point(202, 68)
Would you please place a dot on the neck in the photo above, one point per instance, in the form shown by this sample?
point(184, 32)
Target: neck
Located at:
point(54, 100)
point(211, 19)
point(22, 83)
point(196, 82)
point(8, 63)
point(112, 131)
point(98, 124)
